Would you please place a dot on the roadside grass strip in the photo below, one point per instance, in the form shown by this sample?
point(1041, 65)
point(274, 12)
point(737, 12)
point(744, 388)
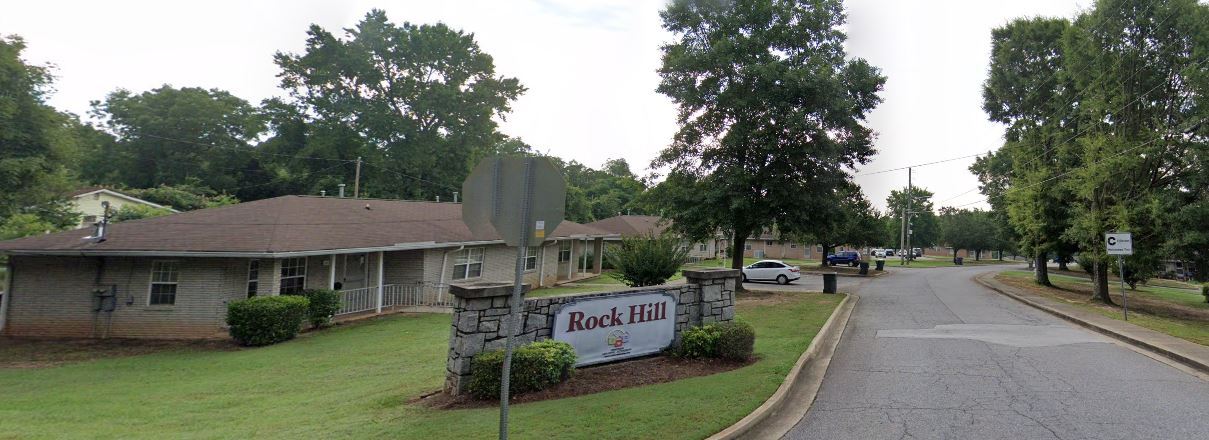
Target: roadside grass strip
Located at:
point(359, 381)
point(1194, 330)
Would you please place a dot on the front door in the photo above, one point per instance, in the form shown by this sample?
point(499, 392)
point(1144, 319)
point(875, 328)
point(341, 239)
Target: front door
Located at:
point(352, 271)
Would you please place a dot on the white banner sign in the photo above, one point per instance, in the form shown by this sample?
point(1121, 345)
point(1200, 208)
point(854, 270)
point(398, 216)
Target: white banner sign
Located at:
point(611, 328)
point(1119, 243)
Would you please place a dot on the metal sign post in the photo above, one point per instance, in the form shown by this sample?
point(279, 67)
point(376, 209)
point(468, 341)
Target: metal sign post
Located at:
point(1120, 244)
point(518, 199)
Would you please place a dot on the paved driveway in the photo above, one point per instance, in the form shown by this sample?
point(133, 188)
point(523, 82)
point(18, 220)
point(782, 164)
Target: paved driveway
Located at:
point(928, 353)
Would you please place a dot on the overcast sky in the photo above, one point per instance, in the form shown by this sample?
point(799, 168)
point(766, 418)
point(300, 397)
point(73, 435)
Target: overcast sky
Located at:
point(589, 66)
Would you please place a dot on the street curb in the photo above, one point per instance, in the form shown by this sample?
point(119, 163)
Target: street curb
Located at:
point(1195, 364)
point(828, 335)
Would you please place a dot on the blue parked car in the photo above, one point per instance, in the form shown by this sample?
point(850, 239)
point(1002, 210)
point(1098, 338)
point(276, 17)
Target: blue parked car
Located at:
point(849, 258)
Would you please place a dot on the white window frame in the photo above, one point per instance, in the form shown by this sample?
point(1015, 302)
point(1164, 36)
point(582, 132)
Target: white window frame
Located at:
point(566, 252)
point(531, 258)
point(174, 283)
point(467, 258)
point(747, 246)
point(249, 290)
point(302, 275)
point(702, 247)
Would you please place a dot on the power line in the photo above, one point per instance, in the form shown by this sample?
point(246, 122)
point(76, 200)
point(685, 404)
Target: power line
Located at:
point(919, 165)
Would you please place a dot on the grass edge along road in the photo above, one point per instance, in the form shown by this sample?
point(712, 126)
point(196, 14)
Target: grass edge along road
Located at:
point(1188, 329)
point(356, 381)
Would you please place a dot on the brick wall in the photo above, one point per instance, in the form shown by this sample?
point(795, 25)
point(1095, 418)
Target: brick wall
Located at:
point(52, 296)
point(480, 316)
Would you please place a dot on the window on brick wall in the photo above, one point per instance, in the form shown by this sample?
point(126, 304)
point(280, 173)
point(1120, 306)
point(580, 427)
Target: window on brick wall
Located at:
point(468, 263)
point(531, 258)
point(253, 277)
point(564, 251)
point(164, 276)
point(293, 276)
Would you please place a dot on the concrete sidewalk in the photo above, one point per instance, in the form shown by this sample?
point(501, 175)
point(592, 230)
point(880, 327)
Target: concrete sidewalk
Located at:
point(1185, 352)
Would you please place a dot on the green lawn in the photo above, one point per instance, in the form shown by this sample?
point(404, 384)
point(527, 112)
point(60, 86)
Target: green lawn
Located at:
point(356, 381)
point(946, 262)
point(1185, 328)
point(604, 282)
point(1184, 297)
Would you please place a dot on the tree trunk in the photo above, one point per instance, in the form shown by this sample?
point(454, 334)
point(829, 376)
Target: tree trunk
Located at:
point(954, 255)
point(978, 255)
point(827, 250)
point(1100, 283)
point(1062, 262)
point(736, 258)
point(1041, 270)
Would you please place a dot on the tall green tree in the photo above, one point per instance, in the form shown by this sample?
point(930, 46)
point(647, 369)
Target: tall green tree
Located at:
point(771, 115)
point(34, 147)
point(171, 136)
point(424, 97)
point(1028, 90)
point(1142, 65)
point(925, 231)
point(853, 221)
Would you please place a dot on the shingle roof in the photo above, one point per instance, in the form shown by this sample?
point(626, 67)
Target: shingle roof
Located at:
point(286, 224)
point(633, 225)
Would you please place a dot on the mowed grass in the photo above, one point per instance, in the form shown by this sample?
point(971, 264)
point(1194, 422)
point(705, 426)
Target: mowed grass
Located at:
point(1185, 328)
point(357, 381)
point(947, 262)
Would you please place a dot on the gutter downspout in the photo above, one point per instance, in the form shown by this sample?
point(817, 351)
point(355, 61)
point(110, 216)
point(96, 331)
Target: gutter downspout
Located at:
point(445, 263)
point(541, 266)
point(8, 293)
point(445, 258)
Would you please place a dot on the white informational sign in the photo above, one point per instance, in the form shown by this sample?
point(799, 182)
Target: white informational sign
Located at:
point(1119, 243)
point(618, 327)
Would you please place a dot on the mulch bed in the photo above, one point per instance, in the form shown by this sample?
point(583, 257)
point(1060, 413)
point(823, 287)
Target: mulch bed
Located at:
point(595, 379)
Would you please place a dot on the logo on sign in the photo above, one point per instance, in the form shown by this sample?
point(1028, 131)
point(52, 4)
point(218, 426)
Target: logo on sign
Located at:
point(604, 329)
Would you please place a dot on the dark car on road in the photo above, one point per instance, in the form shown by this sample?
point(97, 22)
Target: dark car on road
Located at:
point(850, 258)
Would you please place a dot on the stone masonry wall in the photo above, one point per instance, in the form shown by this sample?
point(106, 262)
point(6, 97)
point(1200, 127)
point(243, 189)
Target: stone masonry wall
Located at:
point(480, 315)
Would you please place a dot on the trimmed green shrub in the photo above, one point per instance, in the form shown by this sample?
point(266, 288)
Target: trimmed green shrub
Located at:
point(736, 340)
point(265, 320)
point(646, 261)
point(535, 367)
point(699, 342)
point(323, 305)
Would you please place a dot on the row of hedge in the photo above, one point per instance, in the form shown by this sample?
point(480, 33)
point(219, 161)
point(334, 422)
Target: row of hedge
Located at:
point(265, 320)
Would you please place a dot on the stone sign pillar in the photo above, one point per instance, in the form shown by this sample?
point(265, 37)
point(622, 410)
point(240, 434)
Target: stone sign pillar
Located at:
point(480, 313)
point(480, 316)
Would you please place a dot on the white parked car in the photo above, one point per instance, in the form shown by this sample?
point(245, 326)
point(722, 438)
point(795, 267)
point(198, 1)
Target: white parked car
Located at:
point(771, 270)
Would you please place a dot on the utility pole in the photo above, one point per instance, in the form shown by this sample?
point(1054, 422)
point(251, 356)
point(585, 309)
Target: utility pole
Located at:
point(910, 196)
point(357, 180)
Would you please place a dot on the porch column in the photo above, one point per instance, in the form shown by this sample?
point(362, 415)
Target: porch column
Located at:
point(7, 296)
point(331, 272)
point(380, 265)
point(599, 263)
point(571, 262)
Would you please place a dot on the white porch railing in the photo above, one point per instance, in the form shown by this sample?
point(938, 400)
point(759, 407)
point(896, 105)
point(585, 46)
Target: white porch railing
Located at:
point(394, 295)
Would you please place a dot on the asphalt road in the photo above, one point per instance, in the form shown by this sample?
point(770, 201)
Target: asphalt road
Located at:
point(929, 353)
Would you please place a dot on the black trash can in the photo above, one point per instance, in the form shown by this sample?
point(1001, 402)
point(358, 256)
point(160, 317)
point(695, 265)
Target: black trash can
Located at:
point(958, 261)
point(864, 268)
point(881, 265)
point(829, 282)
